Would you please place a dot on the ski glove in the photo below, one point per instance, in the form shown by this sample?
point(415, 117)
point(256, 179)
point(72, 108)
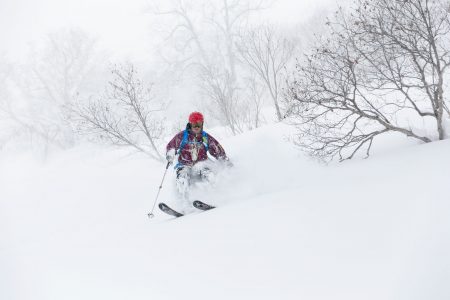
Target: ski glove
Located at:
point(170, 155)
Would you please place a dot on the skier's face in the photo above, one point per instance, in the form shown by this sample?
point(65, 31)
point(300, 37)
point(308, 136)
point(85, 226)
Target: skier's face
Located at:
point(197, 127)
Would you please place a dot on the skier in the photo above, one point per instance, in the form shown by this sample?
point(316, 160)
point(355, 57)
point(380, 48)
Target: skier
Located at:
point(192, 145)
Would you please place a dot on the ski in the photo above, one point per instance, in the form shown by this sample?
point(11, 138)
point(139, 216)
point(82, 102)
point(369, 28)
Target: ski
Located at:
point(202, 206)
point(165, 208)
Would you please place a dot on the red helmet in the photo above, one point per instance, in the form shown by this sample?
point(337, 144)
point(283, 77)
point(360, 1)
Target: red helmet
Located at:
point(195, 117)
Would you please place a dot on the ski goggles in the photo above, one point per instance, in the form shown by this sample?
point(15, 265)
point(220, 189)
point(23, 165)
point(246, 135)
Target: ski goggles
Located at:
point(197, 125)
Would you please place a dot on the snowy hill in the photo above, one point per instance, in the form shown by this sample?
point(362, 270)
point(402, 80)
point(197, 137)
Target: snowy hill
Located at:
point(285, 227)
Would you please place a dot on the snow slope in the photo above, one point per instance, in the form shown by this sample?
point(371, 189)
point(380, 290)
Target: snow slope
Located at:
point(286, 227)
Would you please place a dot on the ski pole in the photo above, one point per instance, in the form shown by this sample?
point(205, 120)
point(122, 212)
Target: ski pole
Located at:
point(150, 214)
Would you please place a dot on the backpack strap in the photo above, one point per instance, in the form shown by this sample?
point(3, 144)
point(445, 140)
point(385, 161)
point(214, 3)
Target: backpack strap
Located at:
point(205, 140)
point(184, 141)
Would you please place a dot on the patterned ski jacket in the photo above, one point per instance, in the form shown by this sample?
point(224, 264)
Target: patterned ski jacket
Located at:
point(195, 148)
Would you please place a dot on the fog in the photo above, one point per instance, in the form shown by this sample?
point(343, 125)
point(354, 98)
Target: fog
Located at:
point(123, 27)
point(58, 60)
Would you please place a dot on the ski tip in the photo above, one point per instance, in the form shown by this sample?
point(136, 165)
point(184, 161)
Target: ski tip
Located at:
point(166, 209)
point(202, 206)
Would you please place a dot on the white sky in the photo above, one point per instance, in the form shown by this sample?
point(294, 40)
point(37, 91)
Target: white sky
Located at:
point(120, 25)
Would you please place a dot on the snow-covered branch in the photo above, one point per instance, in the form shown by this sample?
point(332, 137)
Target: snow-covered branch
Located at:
point(125, 116)
point(381, 68)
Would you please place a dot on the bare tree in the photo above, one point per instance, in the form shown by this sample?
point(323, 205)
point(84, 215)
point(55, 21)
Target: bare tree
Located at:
point(125, 115)
point(267, 53)
point(14, 125)
point(255, 99)
point(65, 66)
point(204, 41)
point(412, 39)
point(380, 70)
point(218, 88)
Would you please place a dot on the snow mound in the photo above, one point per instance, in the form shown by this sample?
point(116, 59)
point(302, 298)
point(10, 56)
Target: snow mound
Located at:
point(285, 227)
